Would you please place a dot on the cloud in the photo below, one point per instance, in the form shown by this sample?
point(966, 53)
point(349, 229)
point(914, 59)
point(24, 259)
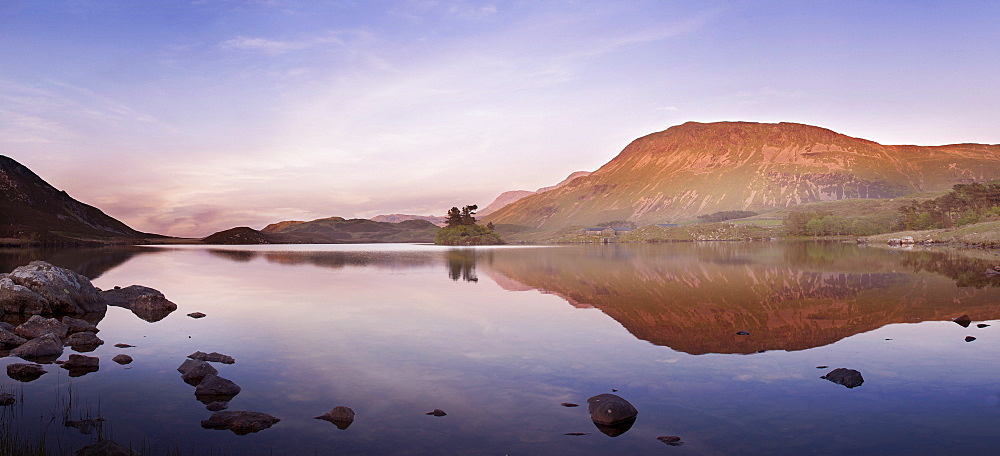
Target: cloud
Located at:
point(273, 47)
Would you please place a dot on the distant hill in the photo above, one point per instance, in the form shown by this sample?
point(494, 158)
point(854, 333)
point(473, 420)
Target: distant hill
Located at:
point(511, 196)
point(698, 168)
point(332, 230)
point(396, 218)
point(34, 212)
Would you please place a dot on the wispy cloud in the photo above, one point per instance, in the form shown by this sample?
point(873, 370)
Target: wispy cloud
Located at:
point(272, 47)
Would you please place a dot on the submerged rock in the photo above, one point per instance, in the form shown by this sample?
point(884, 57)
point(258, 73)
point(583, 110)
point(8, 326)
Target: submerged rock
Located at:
point(214, 388)
point(569, 404)
point(193, 372)
point(847, 377)
point(38, 325)
point(197, 315)
point(25, 372)
point(214, 357)
point(85, 426)
point(217, 406)
point(436, 412)
point(83, 341)
point(240, 422)
point(122, 359)
point(80, 365)
point(969, 338)
point(671, 440)
point(742, 333)
point(340, 416)
point(42, 346)
point(7, 399)
point(105, 448)
point(146, 303)
point(76, 325)
point(609, 409)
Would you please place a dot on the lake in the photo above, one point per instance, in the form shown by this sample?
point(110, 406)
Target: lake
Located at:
point(499, 337)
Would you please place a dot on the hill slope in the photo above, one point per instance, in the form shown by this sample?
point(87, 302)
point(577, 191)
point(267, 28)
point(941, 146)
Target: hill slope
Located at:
point(695, 168)
point(34, 211)
point(331, 230)
point(511, 196)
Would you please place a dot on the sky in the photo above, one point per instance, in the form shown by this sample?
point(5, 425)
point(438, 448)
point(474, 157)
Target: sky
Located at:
point(188, 117)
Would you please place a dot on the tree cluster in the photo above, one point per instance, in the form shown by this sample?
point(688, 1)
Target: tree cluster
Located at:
point(966, 203)
point(824, 223)
point(725, 215)
point(463, 217)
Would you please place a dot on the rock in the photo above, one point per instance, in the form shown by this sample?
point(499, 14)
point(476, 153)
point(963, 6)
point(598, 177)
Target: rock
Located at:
point(83, 341)
point(436, 412)
point(76, 325)
point(7, 399)
point(146, 303)
point(569, 404)
point(38, 325)
point(19, 299)
point(45, 345)
point(122, 359)
point(105, 448)
point(963, 321)
point(671, 440)
point(85, 426)
point(7, 326)
point(9, 339)
point(340, 416)
point(847, 377)
point(610, 409)
point(577, 433)
point(82, 362)
point(982, 325)
point(969, 338)
point(195, 371)
point(213, 387)
point(214, 357)
point(742, 333)
point(217, 406)
point(24, 372)
point(240, 422)
point(65, 291)
point(124, 345)
point(197, 315)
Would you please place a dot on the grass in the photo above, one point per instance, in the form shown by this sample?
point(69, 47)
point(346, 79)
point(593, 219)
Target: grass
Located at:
point(984, 234)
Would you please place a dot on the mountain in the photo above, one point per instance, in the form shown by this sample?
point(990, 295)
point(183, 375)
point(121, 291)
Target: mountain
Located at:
point(396, 218)
point(702, 168)
point(511, 196)
point(331, 230)
point(34, 212)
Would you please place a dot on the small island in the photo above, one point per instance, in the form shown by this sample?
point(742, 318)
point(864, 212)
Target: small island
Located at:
point(461, 229)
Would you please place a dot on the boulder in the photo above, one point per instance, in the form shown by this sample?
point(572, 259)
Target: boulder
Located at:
point(847, 377)
point(64, 290)
point(9, 339)
point(340, 416)
point(195, 371)
point(610, 409)
point(42, 346)
point(963, 321)
point(83, 341)
point(197, 315)
point(122, 359)
point(5, 325)
point(214, 388)
point(214, 357)
point(19, 299)
point(146, 303)
point(240, 422)
point(38, 325)
point(81, 362)
point(24, 372)
point(76, 325)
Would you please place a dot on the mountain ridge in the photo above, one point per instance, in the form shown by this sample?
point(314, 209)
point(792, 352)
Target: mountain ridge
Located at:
point(699, 168)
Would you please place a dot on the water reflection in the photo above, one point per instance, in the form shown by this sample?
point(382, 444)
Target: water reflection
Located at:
point(787, 296)
point(91, 262)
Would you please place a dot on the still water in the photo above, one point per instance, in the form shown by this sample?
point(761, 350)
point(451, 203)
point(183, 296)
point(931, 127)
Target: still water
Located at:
point(499, 337)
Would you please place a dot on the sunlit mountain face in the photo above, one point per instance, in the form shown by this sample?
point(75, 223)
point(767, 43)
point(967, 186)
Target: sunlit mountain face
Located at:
point(698, 168)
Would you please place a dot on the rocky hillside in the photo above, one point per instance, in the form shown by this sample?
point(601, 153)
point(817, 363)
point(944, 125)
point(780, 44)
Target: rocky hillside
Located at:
point(396, 218)
point(696, 168)
point(332, 230)
point(511, 196)
point(34, 212)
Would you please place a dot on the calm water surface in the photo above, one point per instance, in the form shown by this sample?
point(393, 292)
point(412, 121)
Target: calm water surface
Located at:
point(499, 337)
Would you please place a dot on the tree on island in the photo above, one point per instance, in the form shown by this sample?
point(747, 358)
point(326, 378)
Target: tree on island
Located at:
point(461, 229)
